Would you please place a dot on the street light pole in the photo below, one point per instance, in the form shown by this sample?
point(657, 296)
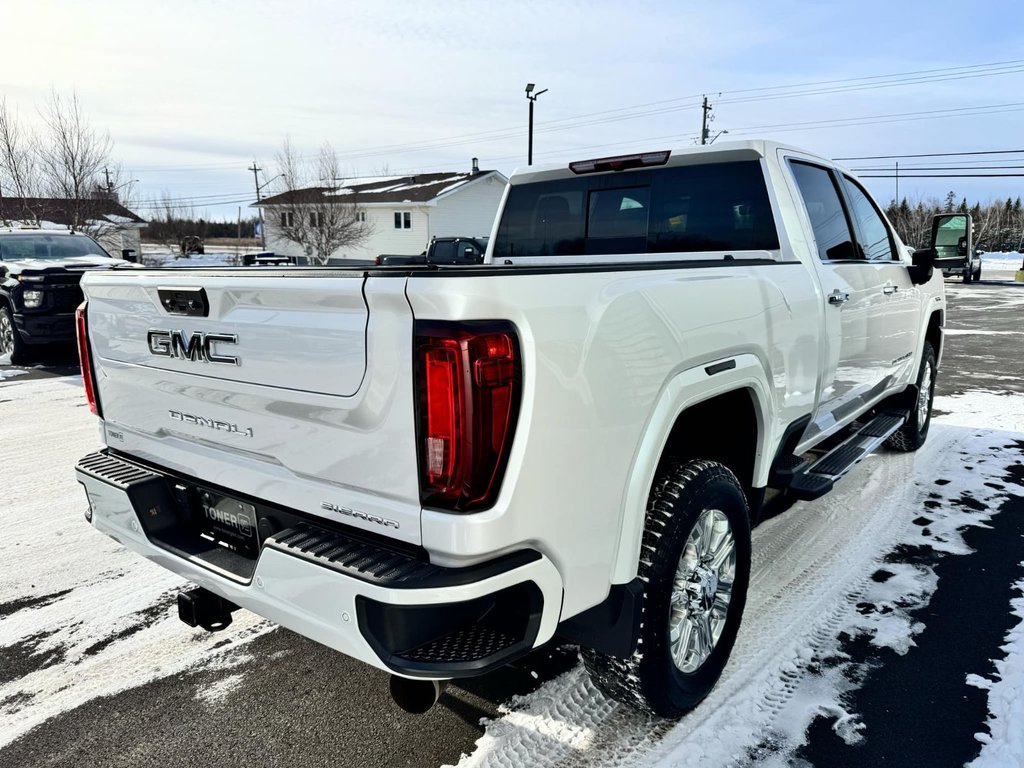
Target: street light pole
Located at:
point(532, 98)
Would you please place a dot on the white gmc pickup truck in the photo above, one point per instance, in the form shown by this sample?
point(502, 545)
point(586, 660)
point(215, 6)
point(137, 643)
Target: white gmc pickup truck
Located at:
point(435, 469)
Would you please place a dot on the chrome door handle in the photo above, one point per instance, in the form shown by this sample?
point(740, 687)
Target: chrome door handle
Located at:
point(890, 289)
point(838, 297)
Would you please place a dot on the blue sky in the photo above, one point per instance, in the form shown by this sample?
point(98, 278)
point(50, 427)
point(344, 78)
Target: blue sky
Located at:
point(192, 91)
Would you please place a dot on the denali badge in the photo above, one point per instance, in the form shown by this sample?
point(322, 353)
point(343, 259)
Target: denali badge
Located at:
point(359, 515)
point(199, 421)
point(198, 346)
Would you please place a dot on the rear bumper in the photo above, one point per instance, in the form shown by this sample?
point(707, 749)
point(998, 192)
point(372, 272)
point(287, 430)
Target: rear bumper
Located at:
point(388, 607)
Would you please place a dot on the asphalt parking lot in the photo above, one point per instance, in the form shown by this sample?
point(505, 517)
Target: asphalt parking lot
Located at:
point(265, 696)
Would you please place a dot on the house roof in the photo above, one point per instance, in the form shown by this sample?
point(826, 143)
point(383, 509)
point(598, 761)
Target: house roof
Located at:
point(420, 188)
point(61, 211)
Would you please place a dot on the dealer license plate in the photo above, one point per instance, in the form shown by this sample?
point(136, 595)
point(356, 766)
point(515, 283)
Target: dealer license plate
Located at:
point(228, 522)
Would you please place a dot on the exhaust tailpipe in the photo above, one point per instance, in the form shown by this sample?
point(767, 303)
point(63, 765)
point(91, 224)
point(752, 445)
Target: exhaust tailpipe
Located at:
point(416, 696)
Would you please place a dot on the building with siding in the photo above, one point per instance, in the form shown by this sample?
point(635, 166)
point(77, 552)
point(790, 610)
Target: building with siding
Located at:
point(403, 212)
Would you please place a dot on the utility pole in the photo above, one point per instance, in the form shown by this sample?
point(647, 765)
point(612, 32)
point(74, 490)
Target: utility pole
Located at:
point(255, 175)
point(106, 173)
point(897, 183)
point(705, 111)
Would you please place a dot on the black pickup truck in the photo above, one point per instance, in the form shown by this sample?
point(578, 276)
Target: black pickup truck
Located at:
point(443, 250)
point(39, 292)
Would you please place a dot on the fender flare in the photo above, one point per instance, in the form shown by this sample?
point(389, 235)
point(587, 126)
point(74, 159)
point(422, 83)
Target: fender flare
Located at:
point(684, 390)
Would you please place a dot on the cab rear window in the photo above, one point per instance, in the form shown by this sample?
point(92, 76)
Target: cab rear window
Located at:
point(686, 209)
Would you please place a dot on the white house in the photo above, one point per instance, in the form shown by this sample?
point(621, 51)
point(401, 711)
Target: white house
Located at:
point(404, 212)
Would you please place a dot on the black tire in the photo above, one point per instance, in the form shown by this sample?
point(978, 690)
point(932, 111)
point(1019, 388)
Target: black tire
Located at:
point(967, 274)
point(10, 340)
point(650, 680)
point(911, 435)
point(977, 275)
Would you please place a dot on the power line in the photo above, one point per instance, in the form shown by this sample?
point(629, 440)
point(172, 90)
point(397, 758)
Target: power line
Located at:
point(941, 176)
point(944, 168)
point(935, 154)
point(630, 112)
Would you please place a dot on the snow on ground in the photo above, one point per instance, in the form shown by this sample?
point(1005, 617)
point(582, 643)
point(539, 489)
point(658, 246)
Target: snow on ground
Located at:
point(812, 577)
point(80, 616)
point(1004, 744)
point(1006, 261)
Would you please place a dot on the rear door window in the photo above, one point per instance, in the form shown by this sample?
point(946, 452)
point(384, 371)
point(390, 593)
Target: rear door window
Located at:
point(826, 212)
point(683, 209)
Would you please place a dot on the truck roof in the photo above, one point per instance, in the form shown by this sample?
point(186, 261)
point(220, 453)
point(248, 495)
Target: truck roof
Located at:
point(40, 231)
point(723, 150)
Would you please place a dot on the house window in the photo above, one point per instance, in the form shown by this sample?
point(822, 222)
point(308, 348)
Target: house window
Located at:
point(316, 219)
point(360, 215)
point(403, 220)
point(288, 219)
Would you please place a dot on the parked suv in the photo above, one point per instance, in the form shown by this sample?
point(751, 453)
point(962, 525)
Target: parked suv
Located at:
point(40, 272)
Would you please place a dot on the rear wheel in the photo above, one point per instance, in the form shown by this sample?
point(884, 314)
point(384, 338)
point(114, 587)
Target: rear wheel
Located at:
point(695, 567)
point(968, 274)
point(11, 345)
point(912, 434)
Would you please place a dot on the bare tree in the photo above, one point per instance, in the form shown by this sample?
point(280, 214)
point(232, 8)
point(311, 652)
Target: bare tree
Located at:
point(319, 217)
point(61, 170)
point(18, 177)
point(71, 155)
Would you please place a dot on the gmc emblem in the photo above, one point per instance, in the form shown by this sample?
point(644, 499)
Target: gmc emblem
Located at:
point(197, 347)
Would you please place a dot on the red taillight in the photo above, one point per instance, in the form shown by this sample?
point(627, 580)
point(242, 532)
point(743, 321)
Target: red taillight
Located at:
point(85, 360)
point(468, 386)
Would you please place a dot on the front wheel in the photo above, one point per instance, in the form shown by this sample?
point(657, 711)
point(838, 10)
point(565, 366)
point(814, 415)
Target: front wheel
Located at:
point(912, 434)
point(968, 274)
point(11, 346)
point(695, 568)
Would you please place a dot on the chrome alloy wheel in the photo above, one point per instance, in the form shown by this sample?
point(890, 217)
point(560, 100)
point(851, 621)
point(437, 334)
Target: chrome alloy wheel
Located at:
point(924, 396)
point(701, 590)
point(6, 334)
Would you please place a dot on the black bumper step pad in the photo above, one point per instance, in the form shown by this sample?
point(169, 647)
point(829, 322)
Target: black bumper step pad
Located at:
point(382, 565)
point(344, 553)
point(114, 471)
point(464, 645)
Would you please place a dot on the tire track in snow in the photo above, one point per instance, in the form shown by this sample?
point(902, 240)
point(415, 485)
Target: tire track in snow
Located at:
point(811, 567)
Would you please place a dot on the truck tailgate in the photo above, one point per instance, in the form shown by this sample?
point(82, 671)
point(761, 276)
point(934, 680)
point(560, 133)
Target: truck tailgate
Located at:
point(295, 389)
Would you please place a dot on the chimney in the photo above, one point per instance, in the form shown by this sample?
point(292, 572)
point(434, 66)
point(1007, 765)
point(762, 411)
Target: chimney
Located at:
point(476, 166)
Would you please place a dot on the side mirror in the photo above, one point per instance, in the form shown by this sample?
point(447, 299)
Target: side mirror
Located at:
point(951, 239)
point(923, 266)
